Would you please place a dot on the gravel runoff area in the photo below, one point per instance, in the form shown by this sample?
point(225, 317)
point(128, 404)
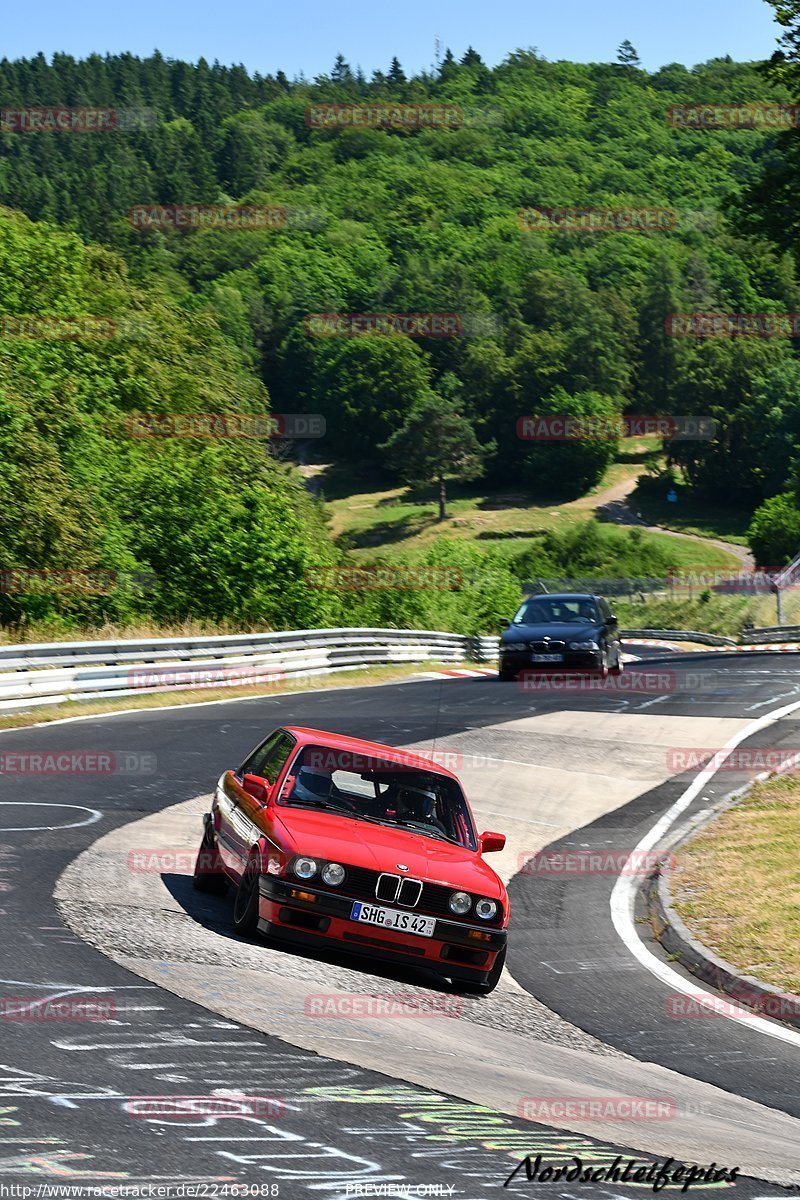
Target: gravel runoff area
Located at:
point(137, 916)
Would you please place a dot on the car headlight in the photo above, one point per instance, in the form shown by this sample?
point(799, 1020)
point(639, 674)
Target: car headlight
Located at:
point(514, 646)
point(486, 909)
point(305, 868)
point(333, 874)
point(460, 903)
point(584, 646)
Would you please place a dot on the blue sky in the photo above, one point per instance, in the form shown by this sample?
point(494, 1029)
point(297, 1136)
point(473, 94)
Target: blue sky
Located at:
point(305, 35)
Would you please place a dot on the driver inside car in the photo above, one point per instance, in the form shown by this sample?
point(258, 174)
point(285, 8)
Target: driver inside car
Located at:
point(314, 784)
point(419, 804)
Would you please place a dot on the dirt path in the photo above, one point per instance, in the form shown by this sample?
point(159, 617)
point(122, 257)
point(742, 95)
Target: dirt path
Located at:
point(613, 505)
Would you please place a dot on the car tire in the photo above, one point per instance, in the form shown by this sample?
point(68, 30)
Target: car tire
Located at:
point(208, 875)
point(506, 675)
point(245, 906)
point(488, 984)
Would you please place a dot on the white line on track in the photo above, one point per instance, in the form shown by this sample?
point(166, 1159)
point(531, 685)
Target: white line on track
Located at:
point(772, 699)
point(94, 816)
point(623, 895)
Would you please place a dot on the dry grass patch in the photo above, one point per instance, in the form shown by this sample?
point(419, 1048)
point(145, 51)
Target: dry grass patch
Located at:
point(737, 884)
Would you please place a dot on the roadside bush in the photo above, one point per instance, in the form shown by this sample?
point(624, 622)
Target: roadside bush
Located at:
point(774, 534)
point(571, 468)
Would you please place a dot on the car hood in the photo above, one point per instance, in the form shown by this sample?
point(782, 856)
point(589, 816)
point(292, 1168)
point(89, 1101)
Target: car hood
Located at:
point(325, 835)
point(567, 632)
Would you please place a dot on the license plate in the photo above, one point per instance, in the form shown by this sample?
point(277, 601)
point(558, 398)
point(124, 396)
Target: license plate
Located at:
point(393, 918)
point(547, 657)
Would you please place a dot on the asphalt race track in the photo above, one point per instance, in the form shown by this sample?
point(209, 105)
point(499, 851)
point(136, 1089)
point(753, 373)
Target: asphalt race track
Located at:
point(73, 1112)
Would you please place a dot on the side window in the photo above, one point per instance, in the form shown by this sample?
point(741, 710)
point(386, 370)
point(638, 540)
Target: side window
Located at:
point(267, 761)
point(605, 611)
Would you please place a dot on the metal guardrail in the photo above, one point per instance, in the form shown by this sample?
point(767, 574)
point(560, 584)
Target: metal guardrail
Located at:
point(52, 673)
point(679, 635)
point(772, 633)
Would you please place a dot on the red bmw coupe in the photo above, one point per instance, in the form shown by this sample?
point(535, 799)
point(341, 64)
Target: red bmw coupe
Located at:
point(331, 839)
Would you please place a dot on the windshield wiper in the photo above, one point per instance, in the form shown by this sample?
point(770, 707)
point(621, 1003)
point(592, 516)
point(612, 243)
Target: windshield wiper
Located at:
point(344, 812)
point(426, 831)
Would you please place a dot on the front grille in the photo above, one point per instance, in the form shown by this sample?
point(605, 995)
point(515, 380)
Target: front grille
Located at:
point(547, 647)
point(410, 892)
point(387, 887)
point(361, 884)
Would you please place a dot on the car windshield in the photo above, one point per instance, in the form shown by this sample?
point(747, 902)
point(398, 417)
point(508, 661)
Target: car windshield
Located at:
point(550, 610)
point(371, 789)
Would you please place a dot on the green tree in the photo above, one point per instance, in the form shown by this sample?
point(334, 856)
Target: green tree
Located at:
point(627, 55)
point(577, 461)
point(662, 357)
point(436, 441)
point(365, 387)
point(397, 75)
point(774, 533)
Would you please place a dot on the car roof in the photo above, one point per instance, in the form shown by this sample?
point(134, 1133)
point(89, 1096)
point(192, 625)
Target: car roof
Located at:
point(563, 596)
point(339, 741)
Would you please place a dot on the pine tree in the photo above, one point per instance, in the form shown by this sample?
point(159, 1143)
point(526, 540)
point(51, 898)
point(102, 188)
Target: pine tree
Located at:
point(472, 58)
point(437, 441)
point(396, 73)
point(449, 68)
point(342, 72)
point(627, 55)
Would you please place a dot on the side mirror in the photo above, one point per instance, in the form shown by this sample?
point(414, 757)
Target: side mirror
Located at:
point(491, 842)
point(257, 787)
point(612, 620)
point(504, 623)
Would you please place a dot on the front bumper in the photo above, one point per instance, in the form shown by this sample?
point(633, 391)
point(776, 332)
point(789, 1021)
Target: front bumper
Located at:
point(517, 661)
point(285, 910)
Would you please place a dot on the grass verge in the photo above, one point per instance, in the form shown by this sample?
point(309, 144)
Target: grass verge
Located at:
point(737, 884)
point(700, 517)
point(725, 615)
